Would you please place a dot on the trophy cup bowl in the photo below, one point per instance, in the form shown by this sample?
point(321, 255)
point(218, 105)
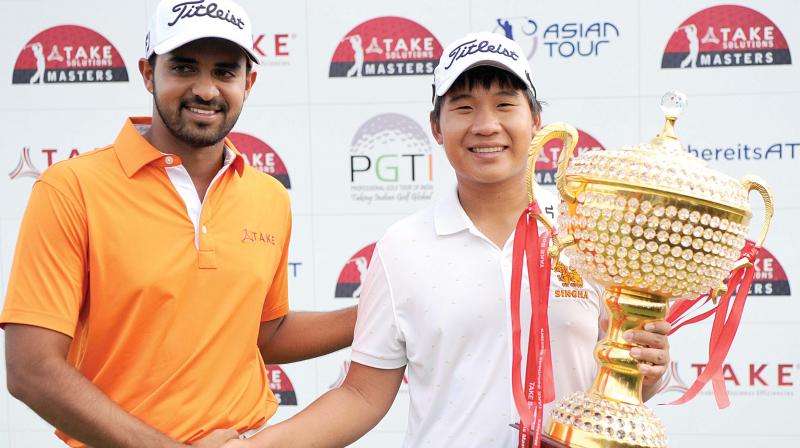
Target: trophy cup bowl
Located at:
point(649, 223)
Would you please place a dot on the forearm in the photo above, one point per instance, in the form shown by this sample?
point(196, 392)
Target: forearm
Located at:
point(336, 419)
point(306, 334)
point(70, 402)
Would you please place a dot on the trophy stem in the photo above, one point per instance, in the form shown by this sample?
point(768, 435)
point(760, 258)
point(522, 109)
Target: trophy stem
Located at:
point(619, 378)
point(611, 414)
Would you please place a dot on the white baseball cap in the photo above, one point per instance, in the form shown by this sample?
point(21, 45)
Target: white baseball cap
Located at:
point(178, 22)
point(476, 49)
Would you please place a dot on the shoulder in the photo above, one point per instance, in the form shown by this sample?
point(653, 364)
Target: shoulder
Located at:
point(69, 176)
point(416, 226)
point(267, 186)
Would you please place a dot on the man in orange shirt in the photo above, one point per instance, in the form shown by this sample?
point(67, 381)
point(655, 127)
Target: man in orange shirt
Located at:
point(149, 284)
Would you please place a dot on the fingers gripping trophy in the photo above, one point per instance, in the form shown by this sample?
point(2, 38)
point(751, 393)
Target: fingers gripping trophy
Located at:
point(649, 223)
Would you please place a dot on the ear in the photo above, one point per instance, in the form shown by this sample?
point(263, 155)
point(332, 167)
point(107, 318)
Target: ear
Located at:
point(537, 124)
point(251, 79)
point(436, 130)
point(147, 74)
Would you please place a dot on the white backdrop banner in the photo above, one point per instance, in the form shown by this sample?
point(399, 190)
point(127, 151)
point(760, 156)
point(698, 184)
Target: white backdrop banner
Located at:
point(340, 116)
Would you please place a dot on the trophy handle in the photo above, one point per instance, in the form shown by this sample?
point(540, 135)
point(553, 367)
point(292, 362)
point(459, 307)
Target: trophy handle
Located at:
point(756, 183)
point(750, 183)
point(569, 136)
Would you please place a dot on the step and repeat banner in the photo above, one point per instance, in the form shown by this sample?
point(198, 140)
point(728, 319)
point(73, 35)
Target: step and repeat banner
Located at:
point(339, 114)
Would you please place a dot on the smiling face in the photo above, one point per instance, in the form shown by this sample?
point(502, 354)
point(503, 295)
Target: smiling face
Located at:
point(486, 129)
point(199, 90)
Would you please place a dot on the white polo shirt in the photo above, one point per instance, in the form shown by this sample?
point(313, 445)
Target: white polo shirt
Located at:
point(436, 298)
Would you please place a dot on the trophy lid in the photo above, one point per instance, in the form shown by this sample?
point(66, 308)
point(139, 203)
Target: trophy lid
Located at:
point(662, 164)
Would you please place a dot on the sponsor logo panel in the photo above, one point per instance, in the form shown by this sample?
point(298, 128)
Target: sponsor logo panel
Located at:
point(726, 36)
point(386, 46)
point(68, 54)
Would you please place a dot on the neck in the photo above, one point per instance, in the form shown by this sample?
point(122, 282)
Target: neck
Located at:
point(202, 163)
point(494, 209)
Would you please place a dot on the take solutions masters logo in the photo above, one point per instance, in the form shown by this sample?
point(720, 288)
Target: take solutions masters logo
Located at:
point(348, 285)
point(386, 46)
point(726, 35)
point(68, 54)
point(281, 386)
point(261, 156)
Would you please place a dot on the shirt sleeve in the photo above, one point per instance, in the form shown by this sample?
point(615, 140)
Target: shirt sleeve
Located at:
point(377, 341)
point(276, 304)
point(49, 275)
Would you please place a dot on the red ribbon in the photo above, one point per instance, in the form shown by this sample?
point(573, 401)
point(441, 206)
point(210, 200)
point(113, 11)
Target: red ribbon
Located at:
point(539, 371)
point(722, 331)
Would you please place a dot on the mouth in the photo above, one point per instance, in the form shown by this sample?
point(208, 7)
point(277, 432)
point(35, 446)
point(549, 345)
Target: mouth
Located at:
point(202, 113)
point(487, 149)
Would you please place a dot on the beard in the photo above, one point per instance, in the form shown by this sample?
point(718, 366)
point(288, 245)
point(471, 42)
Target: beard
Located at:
point(194, 134)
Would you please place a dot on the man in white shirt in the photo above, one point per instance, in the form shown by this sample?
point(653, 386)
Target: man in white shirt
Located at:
point(436, 296)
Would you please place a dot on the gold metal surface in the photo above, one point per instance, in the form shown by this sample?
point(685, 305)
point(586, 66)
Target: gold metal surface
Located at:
point(649, 223)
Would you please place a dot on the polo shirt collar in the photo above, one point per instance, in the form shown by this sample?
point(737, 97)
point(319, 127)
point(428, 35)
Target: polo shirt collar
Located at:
point(135, 152)
point(449, 216)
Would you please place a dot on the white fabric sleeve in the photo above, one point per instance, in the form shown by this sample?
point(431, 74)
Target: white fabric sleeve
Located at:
point(377, 341)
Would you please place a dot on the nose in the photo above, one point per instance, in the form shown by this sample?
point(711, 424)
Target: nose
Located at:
point(486, 122)
point(205, 87)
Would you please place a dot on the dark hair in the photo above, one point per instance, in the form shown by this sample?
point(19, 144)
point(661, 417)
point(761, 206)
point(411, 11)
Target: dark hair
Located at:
point(485, 76)
point(248, 65)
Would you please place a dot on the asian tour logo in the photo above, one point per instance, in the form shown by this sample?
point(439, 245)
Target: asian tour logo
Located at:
point(770, 278)
point(723, 36)
point(261, 156)
point(68, 54)
point(559, 39)
point(391, 161)
point(546, 165)
point(281, 386)
point(351, 279)
point(386, 46)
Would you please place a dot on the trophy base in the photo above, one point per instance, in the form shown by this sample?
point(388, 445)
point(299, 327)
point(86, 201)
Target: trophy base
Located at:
point(546, 441)
point(586, 420)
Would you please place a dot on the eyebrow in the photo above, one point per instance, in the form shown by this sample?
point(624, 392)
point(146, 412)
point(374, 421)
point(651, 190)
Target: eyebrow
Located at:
point(188, 60)
point(466, 95)
point(506, 93)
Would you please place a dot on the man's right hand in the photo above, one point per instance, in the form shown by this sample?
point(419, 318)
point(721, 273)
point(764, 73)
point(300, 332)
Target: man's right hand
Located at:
point(216, 438)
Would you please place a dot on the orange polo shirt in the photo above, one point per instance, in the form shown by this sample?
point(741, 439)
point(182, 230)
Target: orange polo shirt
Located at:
point(106, 255)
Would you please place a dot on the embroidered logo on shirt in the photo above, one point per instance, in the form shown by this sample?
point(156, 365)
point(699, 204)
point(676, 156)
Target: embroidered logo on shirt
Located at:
point(571, 282)
point(252, 236)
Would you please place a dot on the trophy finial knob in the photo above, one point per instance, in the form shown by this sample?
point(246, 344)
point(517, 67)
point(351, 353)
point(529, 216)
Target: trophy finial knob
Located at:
point(673, 103)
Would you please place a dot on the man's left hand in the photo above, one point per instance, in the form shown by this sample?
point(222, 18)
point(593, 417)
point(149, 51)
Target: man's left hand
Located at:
point(651, 349)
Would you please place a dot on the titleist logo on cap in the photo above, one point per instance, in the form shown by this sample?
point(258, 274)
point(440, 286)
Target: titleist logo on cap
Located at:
point(470, 47)
point(198, 8)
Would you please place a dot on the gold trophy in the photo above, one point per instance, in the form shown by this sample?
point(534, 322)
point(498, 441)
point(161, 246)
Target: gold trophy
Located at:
point(649, 223)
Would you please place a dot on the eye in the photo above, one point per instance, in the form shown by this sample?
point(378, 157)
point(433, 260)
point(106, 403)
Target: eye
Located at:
point(506, 105)
point(225, 74)
point(182, 68)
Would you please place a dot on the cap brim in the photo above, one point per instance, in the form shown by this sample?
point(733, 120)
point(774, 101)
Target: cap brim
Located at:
point(446, 84)
point(180, 40)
